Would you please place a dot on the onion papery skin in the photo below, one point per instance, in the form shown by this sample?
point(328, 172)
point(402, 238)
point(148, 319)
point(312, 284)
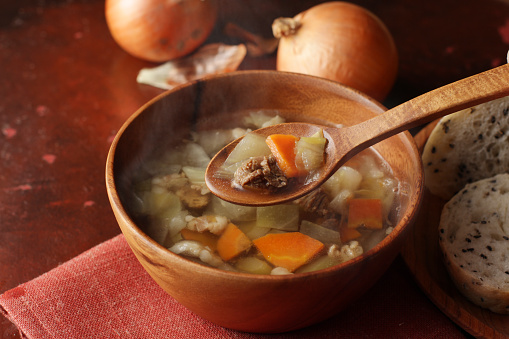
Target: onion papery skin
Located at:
point(342, 42)
point(160, 30)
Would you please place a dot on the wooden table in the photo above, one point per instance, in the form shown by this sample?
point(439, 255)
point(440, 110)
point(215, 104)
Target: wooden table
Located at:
point(66, 88)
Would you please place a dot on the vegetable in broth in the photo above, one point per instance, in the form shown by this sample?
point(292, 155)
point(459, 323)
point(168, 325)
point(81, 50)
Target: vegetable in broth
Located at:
point(345, 217)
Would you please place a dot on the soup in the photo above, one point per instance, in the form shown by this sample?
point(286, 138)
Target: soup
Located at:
point(346, 216)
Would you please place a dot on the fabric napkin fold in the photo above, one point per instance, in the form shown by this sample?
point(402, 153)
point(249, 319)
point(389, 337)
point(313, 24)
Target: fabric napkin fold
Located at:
point(105, 293)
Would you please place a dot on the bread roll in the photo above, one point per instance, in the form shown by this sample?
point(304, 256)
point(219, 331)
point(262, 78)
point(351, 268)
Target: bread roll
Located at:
point(467, 146)
point(474, 239)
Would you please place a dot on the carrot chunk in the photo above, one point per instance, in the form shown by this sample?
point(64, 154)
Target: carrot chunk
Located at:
point(288, 250)
point(232, 242)
point(365, 212)
point(347, 234)
point(205, 238)
point(282, 147)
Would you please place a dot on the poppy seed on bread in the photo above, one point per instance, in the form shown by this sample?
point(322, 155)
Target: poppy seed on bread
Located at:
point(474, 239)
point(467, 146)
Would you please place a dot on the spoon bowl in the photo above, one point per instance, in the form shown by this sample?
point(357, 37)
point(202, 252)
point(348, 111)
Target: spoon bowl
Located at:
point(343, 143)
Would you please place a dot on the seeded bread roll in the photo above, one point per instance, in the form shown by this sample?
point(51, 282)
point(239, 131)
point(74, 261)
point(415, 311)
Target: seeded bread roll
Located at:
point(467, 146)
point(474, 238)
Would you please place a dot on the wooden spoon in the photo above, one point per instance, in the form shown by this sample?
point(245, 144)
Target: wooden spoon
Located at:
point(343, 143)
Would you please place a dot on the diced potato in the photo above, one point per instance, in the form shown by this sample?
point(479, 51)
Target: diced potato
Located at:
point(371, 167)
point(281, 217)
point(320, 233)
point(345, 178)
point(253, 265)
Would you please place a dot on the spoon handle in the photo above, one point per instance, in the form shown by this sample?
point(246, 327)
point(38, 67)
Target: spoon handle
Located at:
point(450, 98)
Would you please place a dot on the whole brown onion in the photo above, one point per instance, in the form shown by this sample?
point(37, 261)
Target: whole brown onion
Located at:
point(160, 30)
point(339, 41)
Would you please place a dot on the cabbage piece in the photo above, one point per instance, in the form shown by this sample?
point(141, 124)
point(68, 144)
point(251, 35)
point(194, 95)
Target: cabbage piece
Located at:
point(174, 224)
point(281, 217)
point(235, 213)
point(251, 230)
point(310, 152)
point(195, 155)
point(253, 265)
point(196, 175)
point(319, 263)
point(160, 201)
point(320, 233)
point(212, 141)
point(162, 206)
point(263, 118)
point(340, 202)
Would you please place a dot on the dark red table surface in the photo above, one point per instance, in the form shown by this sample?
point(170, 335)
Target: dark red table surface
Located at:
point(66, 88)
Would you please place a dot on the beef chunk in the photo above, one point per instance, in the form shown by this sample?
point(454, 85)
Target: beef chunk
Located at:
point(315, 202)
point(260, 172)
point(192, 197)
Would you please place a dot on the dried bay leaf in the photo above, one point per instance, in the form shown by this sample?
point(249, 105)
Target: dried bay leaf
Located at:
point(210, 59)
point(257, 46)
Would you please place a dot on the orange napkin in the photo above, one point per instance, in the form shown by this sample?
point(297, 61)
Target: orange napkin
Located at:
point(105, 293)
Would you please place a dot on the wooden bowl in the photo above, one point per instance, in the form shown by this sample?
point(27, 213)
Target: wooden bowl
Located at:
point(241, 301)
